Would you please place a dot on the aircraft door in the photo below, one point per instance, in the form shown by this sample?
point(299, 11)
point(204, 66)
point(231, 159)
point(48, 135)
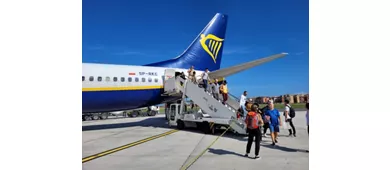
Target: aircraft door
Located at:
point(169, 73)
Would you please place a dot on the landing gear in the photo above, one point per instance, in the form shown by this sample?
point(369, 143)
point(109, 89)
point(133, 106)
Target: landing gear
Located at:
point(134, 114)
point(152, 113)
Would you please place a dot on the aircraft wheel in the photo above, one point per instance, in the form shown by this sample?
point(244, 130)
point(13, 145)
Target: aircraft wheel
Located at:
point(153, 113)
point(134, 114)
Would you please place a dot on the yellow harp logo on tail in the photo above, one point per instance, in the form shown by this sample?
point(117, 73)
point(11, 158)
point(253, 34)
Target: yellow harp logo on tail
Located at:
point(212, 46)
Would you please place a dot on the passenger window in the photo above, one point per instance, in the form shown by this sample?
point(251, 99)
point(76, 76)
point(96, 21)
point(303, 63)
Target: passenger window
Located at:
point(107, 78)
point(149, 79)
point(122, 79)
point(129, 79)
point(83, 78)
point(91, 78)
point(136, 79)
point(115, 79)
point(156, 80)
point(143, 79)
point(99, 78)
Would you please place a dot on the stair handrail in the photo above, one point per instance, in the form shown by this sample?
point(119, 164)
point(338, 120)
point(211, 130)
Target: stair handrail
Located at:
point(196, 83)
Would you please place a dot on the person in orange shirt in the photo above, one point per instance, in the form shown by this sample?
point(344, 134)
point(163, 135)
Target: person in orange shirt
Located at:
point(253, 122)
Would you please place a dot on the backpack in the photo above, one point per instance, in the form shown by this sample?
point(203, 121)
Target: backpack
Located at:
point(252, 121)
point(291, 113)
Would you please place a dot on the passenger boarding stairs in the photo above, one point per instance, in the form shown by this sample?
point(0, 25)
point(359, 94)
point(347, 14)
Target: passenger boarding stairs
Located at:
point(177, 86)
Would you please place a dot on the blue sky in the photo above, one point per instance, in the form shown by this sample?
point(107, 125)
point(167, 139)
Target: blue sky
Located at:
point(142, 32)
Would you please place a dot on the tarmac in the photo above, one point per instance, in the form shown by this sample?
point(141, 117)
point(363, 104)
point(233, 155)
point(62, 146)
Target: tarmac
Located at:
point(136, 149)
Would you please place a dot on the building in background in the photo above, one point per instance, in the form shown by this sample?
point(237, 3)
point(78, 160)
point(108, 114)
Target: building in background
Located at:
point(293, 98)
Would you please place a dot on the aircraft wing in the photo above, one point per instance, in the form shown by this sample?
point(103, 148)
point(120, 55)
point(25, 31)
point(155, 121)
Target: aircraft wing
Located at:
point(241, 67)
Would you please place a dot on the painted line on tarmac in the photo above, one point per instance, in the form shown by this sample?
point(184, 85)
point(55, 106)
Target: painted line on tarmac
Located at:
point(185, 167)
point(107, 152)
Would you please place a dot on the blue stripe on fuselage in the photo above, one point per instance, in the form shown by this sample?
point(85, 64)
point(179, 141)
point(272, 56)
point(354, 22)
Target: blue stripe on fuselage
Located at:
point(96, 101)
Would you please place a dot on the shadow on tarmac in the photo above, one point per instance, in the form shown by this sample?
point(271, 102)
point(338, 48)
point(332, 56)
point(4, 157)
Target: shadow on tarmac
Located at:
point(158, 122)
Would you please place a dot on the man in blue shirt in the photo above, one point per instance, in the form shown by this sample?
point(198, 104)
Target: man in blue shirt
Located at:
point(273, 117)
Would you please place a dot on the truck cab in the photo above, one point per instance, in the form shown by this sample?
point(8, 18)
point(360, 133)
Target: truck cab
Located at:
point(173, 112)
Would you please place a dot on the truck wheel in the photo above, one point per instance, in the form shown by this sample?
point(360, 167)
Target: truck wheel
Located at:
point(206, 127)
point(87, 117)
point(95, 116)
point(180, 125)
point(212, 129)
point(103, 116)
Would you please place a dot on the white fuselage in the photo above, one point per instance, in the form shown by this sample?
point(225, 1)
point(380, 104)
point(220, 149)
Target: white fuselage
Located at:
point(118, 87)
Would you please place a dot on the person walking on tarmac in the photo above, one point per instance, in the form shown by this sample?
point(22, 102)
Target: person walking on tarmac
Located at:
point(289, 114)
point(274, 121)
point(253, 122)
point(265, 119)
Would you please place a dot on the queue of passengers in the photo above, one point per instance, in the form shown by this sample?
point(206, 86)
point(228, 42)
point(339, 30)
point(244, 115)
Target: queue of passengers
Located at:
point(267, 117)
point(210, 86)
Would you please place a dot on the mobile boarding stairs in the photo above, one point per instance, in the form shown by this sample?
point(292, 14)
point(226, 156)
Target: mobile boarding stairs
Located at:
point(213, 114)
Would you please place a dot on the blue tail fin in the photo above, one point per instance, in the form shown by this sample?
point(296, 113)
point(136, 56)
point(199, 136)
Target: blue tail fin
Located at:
point(205, 51)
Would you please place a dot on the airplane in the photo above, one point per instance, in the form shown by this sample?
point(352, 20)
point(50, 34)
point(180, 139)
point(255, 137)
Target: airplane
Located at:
point(112, 87)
